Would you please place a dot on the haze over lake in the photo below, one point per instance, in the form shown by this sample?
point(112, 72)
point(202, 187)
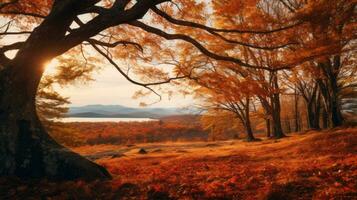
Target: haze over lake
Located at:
point(92, 119)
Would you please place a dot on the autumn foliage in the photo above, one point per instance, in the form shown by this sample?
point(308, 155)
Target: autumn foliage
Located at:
point(272, 69)
point(127, 133)
point(316, 165)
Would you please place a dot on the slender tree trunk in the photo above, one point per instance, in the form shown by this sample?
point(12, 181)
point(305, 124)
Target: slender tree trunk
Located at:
point(267, 121)
point(275, 101)
point(296, 104)
point(287, 124)
point(317, 112)
point(246, 121)
point(324, 118)
point(277, 129)
point(311, 115)
point(335, 112)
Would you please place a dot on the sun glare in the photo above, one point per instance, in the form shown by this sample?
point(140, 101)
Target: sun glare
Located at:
point(51, 67)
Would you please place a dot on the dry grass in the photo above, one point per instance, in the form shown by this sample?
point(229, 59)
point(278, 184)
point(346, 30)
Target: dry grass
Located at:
point(314, 165)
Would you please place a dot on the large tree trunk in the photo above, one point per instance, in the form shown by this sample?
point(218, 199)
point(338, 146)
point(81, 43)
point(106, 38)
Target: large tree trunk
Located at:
point(275, 102)
point(250, 136)
point(26, 150)
point(277, 129)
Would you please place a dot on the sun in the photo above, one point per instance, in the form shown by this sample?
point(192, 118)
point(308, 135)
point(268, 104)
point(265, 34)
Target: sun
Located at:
point(51, 67)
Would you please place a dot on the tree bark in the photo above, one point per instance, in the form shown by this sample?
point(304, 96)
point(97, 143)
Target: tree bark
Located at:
point(335, 112)
point(277, 129)
point(267, 121)
point(296, 112)
point(250, 136)
point(324, 118)
point(248, 126)
point(313, 115)
point(26, 150)
point(330, 90)
point(275, 101)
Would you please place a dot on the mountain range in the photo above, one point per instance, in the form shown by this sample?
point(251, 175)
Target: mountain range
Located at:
point(118, 111)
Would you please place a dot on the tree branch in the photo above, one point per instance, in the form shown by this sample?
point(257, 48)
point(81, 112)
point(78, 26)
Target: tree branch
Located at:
point(211, 31)
point(16, 45)
point(145, 85)
point(3, 5)
point(15, 33)
point(199, 46)
point(24, 14)
point(200, 26)
point(121, 42)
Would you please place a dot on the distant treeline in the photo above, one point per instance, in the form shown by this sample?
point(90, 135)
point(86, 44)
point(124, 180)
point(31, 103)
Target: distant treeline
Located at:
point(173, 129)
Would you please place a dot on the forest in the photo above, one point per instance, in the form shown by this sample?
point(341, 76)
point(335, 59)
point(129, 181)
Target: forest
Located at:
point(273, 83)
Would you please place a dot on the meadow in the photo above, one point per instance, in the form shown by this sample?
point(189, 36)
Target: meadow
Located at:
point(307, 165)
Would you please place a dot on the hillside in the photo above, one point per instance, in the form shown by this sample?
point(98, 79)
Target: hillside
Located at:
point(310, 165)
point(118, 111)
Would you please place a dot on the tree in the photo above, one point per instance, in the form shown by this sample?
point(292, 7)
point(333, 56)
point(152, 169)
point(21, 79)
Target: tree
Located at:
point(330, 35)
point(228, 94)
point(303, 81)
point(221, 124)
point(54, 28)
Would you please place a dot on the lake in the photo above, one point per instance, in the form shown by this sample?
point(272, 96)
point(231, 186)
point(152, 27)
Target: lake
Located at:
point(88, 119)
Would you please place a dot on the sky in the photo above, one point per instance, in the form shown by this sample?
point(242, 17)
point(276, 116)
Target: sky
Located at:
point(110, 88)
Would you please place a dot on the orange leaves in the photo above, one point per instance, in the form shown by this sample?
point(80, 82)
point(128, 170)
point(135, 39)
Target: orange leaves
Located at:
point(35, 7)
point(231, 7)
point(152, 73)
point(181, 128)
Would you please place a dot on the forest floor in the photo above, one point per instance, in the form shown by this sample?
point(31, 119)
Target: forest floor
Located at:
point(309, 165)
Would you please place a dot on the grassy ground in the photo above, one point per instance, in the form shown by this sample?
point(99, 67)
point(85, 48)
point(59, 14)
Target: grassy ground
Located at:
point(311, 165)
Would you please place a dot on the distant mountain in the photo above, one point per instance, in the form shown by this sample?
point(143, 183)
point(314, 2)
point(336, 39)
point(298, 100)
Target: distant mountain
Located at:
point(88, 114)
point(118, 111)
